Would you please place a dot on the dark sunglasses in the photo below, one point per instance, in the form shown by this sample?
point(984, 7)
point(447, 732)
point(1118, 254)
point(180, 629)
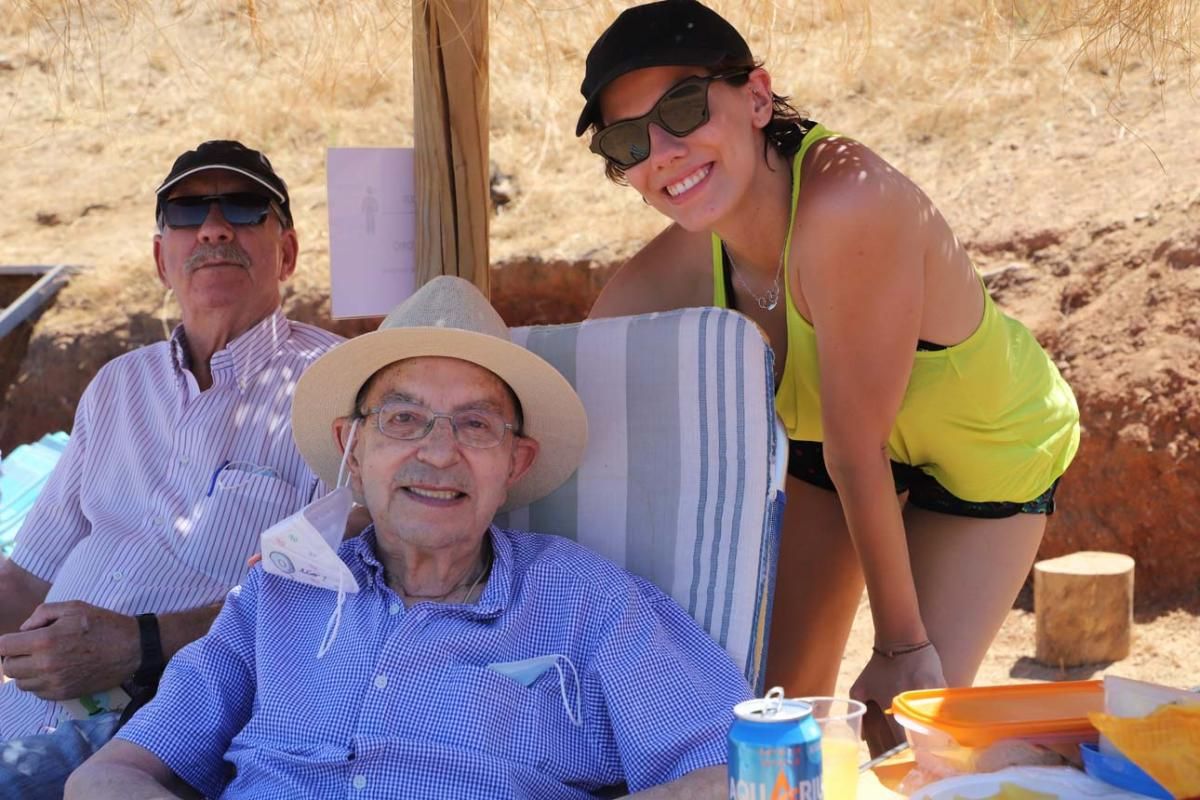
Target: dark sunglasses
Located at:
point(682, 109)
point(238, 208)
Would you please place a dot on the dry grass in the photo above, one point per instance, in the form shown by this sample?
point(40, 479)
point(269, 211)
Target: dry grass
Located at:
point(103, 94)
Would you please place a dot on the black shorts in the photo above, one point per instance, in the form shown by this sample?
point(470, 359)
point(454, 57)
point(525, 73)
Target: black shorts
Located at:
point(806, 462)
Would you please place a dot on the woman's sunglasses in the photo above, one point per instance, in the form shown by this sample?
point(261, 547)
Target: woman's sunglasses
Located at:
point(238, 208)
point(681, 110)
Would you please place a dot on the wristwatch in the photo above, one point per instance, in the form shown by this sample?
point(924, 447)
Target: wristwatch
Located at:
point(153, 662)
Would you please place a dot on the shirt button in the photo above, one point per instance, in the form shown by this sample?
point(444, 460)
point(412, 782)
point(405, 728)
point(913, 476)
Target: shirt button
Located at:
point(184, 461)
point(157, 521)
point(394, 609)
point(381, 681)
point(116, 576)
point(359, 782)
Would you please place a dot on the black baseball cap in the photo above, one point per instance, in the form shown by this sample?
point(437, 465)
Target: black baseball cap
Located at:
point(662, 34)
point(235, 157)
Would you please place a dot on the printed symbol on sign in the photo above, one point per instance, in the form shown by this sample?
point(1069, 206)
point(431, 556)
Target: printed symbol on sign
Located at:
point(282, 562)
point(293, 537)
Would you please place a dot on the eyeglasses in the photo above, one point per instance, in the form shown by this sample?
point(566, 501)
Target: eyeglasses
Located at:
point(682, 109)
point(479, 429)
point(238, 208)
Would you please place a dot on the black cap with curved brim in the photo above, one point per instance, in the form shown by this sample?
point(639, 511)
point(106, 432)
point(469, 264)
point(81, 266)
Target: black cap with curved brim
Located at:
point(662, 34)
point(232, 156)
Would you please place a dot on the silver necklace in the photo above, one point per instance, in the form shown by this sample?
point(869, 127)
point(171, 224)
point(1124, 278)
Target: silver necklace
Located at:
point(768, 301)
point(437, 598)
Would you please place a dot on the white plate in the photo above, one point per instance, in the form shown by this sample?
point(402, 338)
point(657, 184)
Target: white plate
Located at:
point(1064, 783)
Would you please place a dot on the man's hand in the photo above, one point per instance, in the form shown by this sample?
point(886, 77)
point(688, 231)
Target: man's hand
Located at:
point(65, 650)
point(709, 783)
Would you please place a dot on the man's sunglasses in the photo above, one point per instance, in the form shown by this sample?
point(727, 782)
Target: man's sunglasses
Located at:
point(238, 208)
point(681, 110)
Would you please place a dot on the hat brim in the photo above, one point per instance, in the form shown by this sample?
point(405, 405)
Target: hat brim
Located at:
point(553, 413)
point(167, 184)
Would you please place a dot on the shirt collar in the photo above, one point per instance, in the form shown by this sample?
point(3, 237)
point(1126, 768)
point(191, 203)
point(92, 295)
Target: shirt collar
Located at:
point(360, 555)
point(246, 355)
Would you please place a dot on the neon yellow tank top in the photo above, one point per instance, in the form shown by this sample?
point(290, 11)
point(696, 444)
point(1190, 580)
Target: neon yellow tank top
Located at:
point(990, 419)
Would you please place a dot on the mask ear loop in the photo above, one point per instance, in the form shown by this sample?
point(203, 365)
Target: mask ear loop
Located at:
point(335, 619)
point(577, 717)
point(342, 471)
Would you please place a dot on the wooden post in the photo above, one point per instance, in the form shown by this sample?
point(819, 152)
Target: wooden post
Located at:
point(450, 77)
point(1084, 608)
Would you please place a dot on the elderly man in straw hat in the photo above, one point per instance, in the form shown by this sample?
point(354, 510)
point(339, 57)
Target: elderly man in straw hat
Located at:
point(449, 658)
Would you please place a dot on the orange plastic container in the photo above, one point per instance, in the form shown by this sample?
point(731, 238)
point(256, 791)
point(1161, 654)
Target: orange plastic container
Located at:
point(1042, 713)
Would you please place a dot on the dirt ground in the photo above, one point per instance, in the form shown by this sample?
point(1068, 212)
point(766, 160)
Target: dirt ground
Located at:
point(1071, 177)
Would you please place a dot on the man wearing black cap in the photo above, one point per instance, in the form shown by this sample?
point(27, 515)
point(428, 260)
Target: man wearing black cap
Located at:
point(181, 454)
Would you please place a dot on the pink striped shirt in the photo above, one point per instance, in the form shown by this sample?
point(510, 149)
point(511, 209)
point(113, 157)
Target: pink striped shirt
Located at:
point(132, 518)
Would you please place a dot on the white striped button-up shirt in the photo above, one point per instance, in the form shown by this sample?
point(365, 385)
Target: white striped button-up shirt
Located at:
point(162, 492)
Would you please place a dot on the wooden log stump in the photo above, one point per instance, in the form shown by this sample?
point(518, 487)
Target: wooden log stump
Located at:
point(1084, 607)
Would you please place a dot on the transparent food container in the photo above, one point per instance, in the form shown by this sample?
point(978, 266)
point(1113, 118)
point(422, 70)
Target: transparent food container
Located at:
point(987, 728)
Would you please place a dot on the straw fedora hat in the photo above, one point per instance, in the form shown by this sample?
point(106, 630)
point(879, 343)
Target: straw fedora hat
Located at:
point(451, 318)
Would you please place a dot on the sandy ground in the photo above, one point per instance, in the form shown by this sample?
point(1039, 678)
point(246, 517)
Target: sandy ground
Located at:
point(1164, 651)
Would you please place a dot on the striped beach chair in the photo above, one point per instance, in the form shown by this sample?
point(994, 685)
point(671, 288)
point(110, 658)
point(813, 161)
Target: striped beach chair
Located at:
point(682, 481)
point(23, 473)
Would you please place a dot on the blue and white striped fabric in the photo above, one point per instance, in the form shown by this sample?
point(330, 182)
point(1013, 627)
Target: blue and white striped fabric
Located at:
point(682, 479)
point(23, 473)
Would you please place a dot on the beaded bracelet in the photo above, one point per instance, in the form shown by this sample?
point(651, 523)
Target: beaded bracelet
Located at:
point(902, 650)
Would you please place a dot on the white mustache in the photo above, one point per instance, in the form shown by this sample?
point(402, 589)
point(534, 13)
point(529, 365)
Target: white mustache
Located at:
point(230, 252)
point(428, 477)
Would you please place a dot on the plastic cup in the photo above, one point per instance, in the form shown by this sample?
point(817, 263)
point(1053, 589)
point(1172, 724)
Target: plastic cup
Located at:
point(840, 720)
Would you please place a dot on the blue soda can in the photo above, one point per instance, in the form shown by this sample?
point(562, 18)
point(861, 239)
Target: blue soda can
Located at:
point(774, 750)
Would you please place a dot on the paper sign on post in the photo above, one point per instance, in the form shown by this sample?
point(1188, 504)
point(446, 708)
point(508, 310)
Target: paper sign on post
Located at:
point(372, 229)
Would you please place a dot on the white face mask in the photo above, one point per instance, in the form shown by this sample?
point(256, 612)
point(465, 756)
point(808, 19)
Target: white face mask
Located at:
point(303, 546)
point(527, 671)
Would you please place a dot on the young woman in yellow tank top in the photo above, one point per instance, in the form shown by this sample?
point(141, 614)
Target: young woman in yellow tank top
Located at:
point(928, 430)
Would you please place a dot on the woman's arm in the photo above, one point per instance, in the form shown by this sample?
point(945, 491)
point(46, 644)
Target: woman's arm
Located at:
point(861, 271)
point(673, 270)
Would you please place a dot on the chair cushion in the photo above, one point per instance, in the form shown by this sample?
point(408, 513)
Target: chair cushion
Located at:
point(679, 481)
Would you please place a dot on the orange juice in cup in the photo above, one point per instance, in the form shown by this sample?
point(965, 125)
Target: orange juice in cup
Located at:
point(839, 765)
point(840, 721)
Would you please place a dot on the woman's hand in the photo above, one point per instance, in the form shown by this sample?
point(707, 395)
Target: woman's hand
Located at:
point(882, 679)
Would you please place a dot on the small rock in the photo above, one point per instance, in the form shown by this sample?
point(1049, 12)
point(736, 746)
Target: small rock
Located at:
point(1040, 240)
point(502, 186)
point(47, 218)
point(1111, 227)
point(6, 63)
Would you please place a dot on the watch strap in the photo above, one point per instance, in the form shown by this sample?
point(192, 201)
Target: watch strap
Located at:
point(153, 661)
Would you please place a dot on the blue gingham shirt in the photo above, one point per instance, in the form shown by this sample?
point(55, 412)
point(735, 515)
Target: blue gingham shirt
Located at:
point(404, 704)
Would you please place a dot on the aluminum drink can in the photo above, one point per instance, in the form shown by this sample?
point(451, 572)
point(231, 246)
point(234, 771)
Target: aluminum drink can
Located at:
point(774, 751)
